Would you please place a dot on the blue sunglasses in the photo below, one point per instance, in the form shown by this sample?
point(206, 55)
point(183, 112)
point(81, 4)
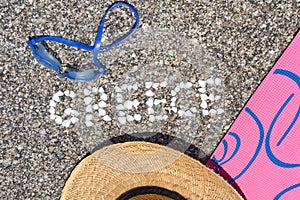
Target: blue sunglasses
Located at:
point(45, 58)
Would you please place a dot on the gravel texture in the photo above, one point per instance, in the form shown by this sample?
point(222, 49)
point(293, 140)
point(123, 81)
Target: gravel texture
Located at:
point(236, 42)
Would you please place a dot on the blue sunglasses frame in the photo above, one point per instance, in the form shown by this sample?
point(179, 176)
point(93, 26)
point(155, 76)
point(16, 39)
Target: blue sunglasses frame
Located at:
point(49, 61)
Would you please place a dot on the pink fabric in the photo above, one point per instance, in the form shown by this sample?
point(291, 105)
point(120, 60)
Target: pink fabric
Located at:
point(275, 149)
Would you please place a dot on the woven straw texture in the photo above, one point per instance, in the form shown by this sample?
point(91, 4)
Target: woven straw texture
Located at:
point(96, 178)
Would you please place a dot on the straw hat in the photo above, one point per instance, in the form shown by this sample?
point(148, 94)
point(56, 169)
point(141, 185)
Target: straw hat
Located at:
point(143, 170)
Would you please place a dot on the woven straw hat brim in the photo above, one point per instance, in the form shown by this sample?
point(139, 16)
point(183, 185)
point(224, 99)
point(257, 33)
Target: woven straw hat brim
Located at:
point(113, 170)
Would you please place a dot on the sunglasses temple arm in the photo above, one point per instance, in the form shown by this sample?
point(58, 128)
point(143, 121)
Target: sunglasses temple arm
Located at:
point(64, 41)
point(123, 38)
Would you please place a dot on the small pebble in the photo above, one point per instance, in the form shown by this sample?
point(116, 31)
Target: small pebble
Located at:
point(177, 89)
point(217, 97)
point(101, 112)
point(119, 99)
point(86, 92)
point(173, 99)
point(87, 100)
point(164, 101)
point(137, 117)
point(188, 113)
point(188, 85)
point(173, 104)
point(106, 118)
point(158, 117)
point(129, 87)
point(102, 104)
point(75, 112)
point(149, 93)
point(52, 103)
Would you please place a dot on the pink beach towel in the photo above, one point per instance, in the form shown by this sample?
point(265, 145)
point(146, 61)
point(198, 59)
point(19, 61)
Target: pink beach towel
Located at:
point(261, 151)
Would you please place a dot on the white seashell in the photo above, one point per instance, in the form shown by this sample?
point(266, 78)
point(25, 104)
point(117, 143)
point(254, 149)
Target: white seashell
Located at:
point(88, 117)
point(130, 118)
point(52, 103)
point(203, 97)
point(180, 113)
point(205, 112)
point(202, 90)
point(202, 83)
point(56, 98)
point(164, 101)
point(95, 107)
point(136, 103)
point(52, 117)
point(151, 118)
point(121, 113)
point(163, 84)
point(188, 85)
point(156, 101)
point(128, 104)
point(87, 100)
point(137, 117)
point(117, 89)
point(150, 111)
point(89, 123)
point(211, 97)
point(173, 93)
point(104, 97)
point(210, 81)
point(148, 85)
point(58, 119)
point(218, 81)
point(102, 104)
point(149, 93)
point(101, 90)
point(94, 90)
point(106, 118)
point(101, 112)
point(72, 94)
point(122, 120)
point(59, 93)
point(74, 120)
point(86, 92)
point(68, 111)
point(135, 86)
point(120, 107)
point(174, 109)
point(88, 109)
point(155, 85)
point(66, 123)
point(150, 102)
point(67, 92)
point(203, 104)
